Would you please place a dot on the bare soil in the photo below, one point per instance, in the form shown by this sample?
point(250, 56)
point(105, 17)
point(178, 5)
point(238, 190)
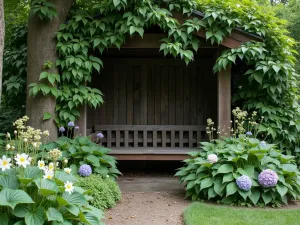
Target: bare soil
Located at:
point(148, 208)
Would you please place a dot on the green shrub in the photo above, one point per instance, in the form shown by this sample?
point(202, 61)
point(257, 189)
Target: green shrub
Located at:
point(81, 150)
point(212, 173)
point(105, 192)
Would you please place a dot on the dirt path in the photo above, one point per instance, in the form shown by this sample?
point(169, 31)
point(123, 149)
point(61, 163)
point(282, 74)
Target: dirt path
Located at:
point(148, 208)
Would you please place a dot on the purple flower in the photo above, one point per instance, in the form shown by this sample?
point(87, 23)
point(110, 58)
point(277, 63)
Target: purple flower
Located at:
point(71, 124)
point(85, 170)
point(249, 133)
point(76, 127)
point(100, 135)
point(244, 183)
point(62, 129)
point(268, 178)
point(263, 144)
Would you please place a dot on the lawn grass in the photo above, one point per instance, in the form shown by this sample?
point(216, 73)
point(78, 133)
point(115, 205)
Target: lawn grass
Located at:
point(204, 214)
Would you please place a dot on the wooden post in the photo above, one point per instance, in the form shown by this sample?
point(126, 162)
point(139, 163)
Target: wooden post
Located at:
point(82, 121)
point(224, 101)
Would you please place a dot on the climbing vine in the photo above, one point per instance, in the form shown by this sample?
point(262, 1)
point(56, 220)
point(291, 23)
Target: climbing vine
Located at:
point(268, 87)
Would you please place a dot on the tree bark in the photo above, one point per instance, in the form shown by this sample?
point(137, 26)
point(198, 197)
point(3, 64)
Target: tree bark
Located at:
point(2, 35)
point(41, 48)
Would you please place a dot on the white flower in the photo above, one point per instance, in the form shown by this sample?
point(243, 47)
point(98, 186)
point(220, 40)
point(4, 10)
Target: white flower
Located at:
point(68, 170)
point(41, 164)
point(46, 133)
point(25, 140)
point(5, 163)
point(15, 132)
point(34, 144)
point(22, 160)
point(65, 161)
point(8, 135)
point(51, 166)
point(7, 147)
point(107, 176)
point(13, 147)
point(49, 174)
point(69, 187)
point(212, 158)
point(57, 164)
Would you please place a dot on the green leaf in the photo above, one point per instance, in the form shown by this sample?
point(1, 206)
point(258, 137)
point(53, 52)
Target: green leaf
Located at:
point(267, 197)
point(47, 116)
point(54, 215)
point(254, 197)
point(89, 218)
point(11, 182)
point(231, 188)
point(244, 194)
point(206, 182)
point(36, 217)
point(73, 209)
point(21, 210)
point(225, 168)
point(74, 198)
point(116, 2)
point(46, 187)
point(93, 159)
point(62, 177)
point(282, 190)
point(3, 219)
point(12, 198)
point(228, 177)
point(258, 77)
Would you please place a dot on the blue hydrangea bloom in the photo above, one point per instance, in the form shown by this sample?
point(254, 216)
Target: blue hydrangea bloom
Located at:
point(85, 170)
point(249, 133)
point(263, 144)
point(100, 135)
point(71, 124)
point(62, 129)
point(77, 128)
point(244, 183)
point(268, 178)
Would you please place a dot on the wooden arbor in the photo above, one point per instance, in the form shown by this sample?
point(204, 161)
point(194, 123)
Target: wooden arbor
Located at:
point(138, 136)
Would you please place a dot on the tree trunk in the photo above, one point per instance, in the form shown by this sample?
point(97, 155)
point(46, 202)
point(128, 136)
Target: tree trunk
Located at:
point(2, 35)
point(41, 48)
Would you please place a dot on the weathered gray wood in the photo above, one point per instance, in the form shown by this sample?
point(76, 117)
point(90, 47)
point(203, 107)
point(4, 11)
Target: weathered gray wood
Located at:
point(181, 139)
point(172, 138)
point(136, 139)
point(224, 101)
point(155, 139)
point(145, 139)
point(191, 140)
point(116, 91)
point(179, 96)
point(164, 106)
point(118, 138)
point(126, 138)
point(123, 100)
point(157, 88)
point(137, 95)
point(150, 127)
point(129, 96)
point(109, 138)
point(164, 139)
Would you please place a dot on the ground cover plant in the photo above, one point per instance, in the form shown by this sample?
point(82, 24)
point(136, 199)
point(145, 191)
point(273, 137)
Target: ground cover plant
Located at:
point(85, 156)
point(240, 169)
point(205, 214)
point(105, 192)
point(37, 191)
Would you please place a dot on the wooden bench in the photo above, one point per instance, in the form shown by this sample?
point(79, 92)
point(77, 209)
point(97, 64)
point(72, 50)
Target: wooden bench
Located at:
point(150, 142)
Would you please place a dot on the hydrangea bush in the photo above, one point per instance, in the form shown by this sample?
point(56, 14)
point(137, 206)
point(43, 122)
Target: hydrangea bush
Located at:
point(240, 169)
point(85, 156)
point(37, 192)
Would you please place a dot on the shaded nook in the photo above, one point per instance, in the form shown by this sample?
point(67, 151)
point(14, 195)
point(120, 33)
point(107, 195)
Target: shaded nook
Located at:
point(156, 107)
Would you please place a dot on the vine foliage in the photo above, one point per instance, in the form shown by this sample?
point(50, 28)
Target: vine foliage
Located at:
point(268, 87)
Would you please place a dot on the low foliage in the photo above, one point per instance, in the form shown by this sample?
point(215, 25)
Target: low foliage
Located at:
point(35, 193)
point(105, 192)
point(237, 157)
point(81, 150)
point(240, 169)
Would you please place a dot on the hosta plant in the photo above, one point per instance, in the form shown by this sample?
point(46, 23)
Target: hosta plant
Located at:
point(240, 170)
point(83, 155)
point(33, 192)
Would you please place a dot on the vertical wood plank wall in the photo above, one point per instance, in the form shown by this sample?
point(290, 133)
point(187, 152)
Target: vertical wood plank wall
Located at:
point(155, 91)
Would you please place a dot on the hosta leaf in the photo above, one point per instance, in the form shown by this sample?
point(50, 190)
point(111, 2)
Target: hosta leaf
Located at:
point(21, 210)
point(254, 197)
point(46, 187)
point(282, 190)
point(11, 198)
point(94, 160)
point(211, 193)
point(228, 177)
point(74, 198)
point(231, 188)
point(225, 168)
point(244, 194)
point(11, 182)
point(62, 177)
point(54, 215)
point(206, 182)
point(191, 176)
point(36, 217)
point(73, 209)
point(89, 218)
point(267, 197)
